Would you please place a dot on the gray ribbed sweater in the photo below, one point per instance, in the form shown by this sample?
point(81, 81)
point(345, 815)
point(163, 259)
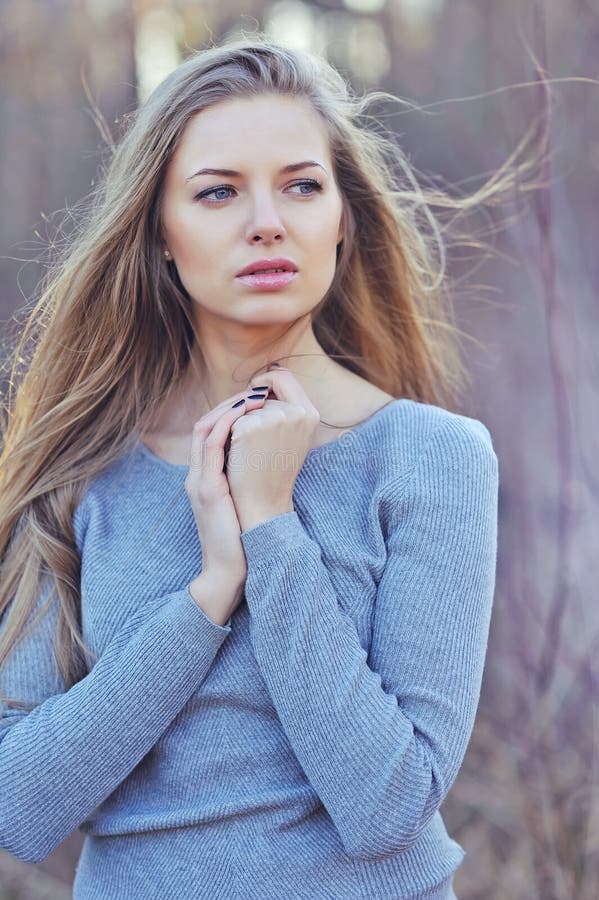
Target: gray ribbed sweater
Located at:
point(303, 749)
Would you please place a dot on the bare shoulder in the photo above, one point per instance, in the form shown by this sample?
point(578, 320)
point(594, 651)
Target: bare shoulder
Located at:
point(350, 400)
point(358, 398)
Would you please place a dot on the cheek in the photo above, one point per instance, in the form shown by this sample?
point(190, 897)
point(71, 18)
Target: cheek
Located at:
point(322, 239)
point(191, 235)
point(321, 259)
point(325, 226)
point(201, 255)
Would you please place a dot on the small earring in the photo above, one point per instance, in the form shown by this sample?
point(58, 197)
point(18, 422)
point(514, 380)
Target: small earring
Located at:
point(166, 253)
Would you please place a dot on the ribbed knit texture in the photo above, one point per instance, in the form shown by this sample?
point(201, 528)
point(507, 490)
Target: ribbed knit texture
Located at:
point(303, 749)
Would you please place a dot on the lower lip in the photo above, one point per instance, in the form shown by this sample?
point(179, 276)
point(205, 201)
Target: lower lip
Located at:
point(268, 281)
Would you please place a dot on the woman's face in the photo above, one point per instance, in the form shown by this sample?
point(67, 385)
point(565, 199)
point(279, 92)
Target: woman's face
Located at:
point(215, 224)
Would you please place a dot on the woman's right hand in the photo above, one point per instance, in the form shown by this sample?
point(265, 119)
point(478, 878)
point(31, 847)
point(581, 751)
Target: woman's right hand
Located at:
point(223, 559)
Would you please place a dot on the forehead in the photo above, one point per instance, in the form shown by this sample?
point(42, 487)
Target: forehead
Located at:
point(248, 131)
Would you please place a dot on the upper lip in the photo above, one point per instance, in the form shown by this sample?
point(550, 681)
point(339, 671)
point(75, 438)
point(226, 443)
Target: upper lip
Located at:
point(276, 263)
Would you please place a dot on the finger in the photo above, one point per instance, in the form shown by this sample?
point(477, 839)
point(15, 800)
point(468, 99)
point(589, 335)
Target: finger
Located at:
point(286, 387)
point(208, 443)
point(206, 421)
point(252, 402)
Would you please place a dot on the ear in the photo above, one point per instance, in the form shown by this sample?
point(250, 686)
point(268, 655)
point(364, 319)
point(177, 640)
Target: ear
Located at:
point(341, 230)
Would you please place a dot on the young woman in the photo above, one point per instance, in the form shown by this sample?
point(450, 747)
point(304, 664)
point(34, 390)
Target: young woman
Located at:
point(248, 552)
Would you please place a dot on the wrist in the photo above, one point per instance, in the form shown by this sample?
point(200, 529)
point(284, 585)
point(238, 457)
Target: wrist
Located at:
point(216, 596)
point(257, 517)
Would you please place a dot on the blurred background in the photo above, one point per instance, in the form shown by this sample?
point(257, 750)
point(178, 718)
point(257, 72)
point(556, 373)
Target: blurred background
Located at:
point(525, 805)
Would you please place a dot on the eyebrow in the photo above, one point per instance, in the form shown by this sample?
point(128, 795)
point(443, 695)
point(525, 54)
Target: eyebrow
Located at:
point(231, 173)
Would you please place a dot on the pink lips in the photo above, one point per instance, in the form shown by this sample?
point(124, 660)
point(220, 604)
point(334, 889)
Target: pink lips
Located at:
point(268, 281)
point(255, 276)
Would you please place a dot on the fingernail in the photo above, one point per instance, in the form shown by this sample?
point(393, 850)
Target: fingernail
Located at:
point(255, 397)
point(261, 387)
point(239, 402)
point(276, 364)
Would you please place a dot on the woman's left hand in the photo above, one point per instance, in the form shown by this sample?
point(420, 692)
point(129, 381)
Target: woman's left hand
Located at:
point(268, 448)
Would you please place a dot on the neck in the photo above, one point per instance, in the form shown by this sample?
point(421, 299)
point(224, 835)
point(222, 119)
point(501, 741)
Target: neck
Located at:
point(219, 368)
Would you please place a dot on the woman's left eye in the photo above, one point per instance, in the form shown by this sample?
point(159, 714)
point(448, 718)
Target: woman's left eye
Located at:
point(312, 183)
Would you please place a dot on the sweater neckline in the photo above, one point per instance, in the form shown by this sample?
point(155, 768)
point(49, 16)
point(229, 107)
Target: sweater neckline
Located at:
point(328, 447)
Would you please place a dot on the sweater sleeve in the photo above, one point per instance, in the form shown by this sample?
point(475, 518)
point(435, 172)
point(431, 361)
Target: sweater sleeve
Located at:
point(62, 759)
point(381, 735)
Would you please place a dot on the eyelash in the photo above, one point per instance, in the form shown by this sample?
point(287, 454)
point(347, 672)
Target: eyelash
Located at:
point(310, 181)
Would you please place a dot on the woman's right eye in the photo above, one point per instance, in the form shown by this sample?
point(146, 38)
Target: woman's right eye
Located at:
point(214, 190)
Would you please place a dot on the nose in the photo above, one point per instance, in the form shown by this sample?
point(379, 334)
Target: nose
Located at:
point(266, 224)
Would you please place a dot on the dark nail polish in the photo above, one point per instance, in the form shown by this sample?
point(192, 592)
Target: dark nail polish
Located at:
point(226, 450)
point(239, 402)
point(261, 387)
point(255, 397)
point(276, 364)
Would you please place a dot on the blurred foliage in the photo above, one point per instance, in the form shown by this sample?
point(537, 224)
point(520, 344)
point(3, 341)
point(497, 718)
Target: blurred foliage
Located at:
point(525, 804)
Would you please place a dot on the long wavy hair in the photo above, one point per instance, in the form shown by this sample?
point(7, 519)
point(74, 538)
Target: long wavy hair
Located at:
point(111, 333)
